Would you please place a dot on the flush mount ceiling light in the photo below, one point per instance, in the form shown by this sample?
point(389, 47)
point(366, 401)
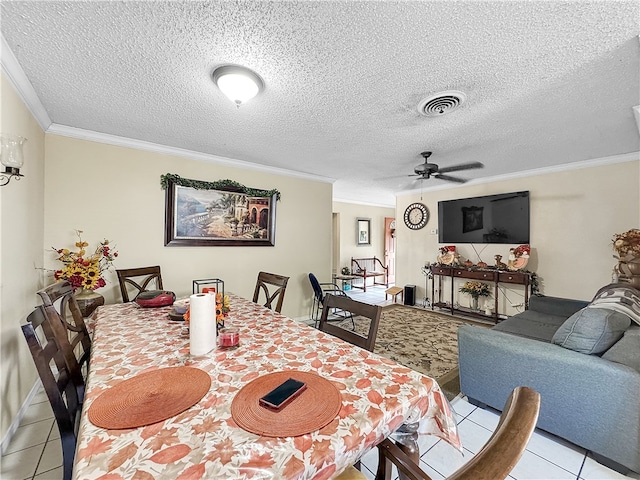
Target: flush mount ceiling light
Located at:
point(441, 103)
point(238, 83)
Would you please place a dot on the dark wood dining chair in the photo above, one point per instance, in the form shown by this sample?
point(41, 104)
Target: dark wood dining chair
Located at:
point(61, 388)
point(494, 461)
point(60, 296)
point(273, 287)
point(347, 304)
point(139, 278)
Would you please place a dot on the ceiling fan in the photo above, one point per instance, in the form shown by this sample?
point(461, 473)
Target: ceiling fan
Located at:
point(427, 170)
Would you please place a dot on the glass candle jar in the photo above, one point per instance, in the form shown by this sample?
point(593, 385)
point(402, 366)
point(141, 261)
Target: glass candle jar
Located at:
point(228, 338)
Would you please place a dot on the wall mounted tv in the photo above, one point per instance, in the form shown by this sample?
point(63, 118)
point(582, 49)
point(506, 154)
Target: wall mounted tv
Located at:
point(502, 218)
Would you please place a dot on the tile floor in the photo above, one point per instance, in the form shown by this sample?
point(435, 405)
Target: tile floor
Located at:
point(35, 452)
point(546, 457)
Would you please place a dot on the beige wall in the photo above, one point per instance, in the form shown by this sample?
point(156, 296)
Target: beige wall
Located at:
point(114, 192)
point(348, 214)
point(21, 251)
point(573, 217)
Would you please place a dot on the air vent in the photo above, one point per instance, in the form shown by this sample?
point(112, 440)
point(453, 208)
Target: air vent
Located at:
point(441, 103)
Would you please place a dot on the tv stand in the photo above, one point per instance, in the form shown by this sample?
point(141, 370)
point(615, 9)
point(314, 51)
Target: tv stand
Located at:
point(496, 277)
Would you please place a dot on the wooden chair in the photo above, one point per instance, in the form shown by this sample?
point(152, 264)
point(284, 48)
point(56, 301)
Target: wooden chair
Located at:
point(61, 389)
point(262, 285)
point(494, 461)
point(147, 274)
point(347, 304)
point(60, 296)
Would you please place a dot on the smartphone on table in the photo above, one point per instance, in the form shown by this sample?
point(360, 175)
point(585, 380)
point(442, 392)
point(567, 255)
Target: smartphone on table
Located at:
point(283, 394)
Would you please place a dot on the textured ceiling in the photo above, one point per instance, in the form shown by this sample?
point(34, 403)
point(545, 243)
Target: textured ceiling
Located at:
point(547, 83)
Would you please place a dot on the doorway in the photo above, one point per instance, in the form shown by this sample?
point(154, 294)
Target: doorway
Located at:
point(390, 247)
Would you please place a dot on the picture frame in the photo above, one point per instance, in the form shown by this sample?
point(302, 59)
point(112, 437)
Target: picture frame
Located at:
point(221, 216)
point(472, 219)
point(363, 231)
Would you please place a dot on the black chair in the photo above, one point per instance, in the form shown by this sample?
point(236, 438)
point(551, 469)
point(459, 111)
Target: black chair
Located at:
point(320, 289)
point(143, 275)
point(61, 388)
point(60, 296)
point(264, 283)
point(347, 304)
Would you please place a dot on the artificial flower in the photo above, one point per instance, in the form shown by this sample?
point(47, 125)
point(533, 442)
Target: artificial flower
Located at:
point(82, 270)
point(476, 289)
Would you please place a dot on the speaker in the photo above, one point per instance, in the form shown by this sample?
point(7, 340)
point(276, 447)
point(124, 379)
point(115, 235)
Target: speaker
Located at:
point(409, 294)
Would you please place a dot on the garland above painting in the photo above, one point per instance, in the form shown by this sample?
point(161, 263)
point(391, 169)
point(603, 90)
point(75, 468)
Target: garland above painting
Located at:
point(228, 185)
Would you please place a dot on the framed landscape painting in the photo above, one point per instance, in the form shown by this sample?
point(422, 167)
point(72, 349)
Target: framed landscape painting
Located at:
point(218, 217)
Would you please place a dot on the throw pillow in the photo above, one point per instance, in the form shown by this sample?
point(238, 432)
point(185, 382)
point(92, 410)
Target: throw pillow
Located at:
point(591, 330)
point(621, 298)
point(626, 350)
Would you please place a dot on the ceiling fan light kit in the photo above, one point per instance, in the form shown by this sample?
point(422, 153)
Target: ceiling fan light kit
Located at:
point(238, 83)
point(427, 170)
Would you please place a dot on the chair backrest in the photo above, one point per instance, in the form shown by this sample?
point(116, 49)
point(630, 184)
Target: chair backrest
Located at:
point(356, 308)
point(143, 277)
point(496, 458)
point(60, 296)
point(62, 387)
point(263, 284)
point(317, 289)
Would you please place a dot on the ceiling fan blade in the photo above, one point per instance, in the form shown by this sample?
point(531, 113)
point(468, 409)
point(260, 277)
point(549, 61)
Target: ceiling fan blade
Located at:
point(462, 166)
point(449, 178)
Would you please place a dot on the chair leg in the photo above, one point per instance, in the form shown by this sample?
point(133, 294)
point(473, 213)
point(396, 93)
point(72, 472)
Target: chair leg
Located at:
point(68, 454)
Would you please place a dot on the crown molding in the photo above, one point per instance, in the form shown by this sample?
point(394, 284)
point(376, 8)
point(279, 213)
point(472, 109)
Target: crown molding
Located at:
point(366, 204)
point(106, 138)
point(596, 162)
point(18, 79)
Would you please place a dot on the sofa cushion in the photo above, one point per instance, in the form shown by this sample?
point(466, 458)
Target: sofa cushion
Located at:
point(591, 330)
point(562, 307)
point(531, 324)
point(626, 350)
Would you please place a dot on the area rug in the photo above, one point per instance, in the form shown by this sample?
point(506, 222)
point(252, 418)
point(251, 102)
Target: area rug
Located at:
point(422, 340)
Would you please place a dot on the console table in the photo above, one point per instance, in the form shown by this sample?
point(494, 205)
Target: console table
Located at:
point(495, 277)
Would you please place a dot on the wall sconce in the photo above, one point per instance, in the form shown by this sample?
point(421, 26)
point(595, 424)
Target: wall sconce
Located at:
point(11, 157)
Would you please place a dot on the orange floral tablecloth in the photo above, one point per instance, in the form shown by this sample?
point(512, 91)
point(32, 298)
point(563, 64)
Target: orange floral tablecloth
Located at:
point(378, 396)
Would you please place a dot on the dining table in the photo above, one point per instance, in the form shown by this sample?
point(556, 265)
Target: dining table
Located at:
point(377, 395)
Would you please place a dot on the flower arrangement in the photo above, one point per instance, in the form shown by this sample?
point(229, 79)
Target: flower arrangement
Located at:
point(476, 289)
point(223, 306)
point(627, 244)
point(84, 270)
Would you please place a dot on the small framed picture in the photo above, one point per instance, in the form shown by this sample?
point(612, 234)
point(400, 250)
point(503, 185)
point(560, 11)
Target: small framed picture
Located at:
point(363, 231)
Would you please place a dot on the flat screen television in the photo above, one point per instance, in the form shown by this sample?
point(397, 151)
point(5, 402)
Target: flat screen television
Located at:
point(502, 218)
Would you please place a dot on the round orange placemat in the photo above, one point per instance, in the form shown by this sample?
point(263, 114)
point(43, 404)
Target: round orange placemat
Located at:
point(315, 408)
point(149, 397)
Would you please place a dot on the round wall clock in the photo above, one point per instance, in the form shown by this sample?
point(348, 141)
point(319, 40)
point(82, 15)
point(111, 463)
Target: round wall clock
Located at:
point(416, 216)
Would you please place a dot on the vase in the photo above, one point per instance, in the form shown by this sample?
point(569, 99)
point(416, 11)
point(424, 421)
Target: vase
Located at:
point(88, 301)
point(474, 304)
point(630, 270)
